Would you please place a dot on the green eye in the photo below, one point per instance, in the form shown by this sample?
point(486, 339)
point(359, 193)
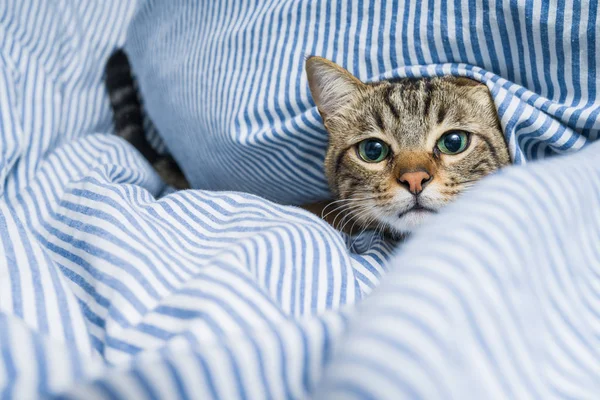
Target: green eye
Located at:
point(453, 142)
point(373, 150)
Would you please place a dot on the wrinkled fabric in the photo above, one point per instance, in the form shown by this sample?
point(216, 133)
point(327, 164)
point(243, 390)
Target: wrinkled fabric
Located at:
point(224, 81)
point(110, 289)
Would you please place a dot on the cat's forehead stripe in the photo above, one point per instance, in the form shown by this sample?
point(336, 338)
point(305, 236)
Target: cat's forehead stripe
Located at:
point(427, 97)
point(441, 113)
point(390, 102)
point(379, 119)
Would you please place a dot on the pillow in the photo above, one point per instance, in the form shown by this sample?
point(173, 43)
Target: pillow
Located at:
point(224, 81)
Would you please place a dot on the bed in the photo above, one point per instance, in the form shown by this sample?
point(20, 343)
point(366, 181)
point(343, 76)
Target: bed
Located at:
point(112, 286)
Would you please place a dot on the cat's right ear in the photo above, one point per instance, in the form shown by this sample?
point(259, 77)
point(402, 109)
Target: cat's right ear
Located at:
point(332, 87)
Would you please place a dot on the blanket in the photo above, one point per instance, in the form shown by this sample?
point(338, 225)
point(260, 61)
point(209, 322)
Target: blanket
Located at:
point(112, 287)
point(224, 81)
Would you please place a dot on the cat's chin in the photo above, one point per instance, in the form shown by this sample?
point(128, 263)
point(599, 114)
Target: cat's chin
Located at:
point(409, 221)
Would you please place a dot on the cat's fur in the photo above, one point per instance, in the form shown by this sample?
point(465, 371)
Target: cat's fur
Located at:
point(410, 115)
point(128, 118)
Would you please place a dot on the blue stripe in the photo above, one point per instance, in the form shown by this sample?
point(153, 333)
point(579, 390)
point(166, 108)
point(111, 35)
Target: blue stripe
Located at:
point(417, 35)
point(444, 30)
point(516, 27)
point(10, 259)
point(591, 51)
point(176, 378)
point(533, 56)
point(147, 390)
point(545, 39)
point(560, 55)
point(576, 77)
point(504, 35)
point(8, 364)
point(473, 33)
point(404, 38)
point(458, 32)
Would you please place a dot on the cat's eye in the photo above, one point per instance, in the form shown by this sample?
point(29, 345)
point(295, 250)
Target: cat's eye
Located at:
point(453, 142)
point(373, 150)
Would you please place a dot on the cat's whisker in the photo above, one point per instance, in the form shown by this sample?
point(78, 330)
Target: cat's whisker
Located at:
point(345, 209)
point(355, 217)
point(349, 200)
point(340, 207)
point(357, 236)
point(337, 201)
point(353, 214)
point(468, 181)
point(380, 225)
point(379, 233)
point(334, 210)
point(362, 230)
point(378, 214)
point(344, 213)
point(366, 225)
point(364, 197)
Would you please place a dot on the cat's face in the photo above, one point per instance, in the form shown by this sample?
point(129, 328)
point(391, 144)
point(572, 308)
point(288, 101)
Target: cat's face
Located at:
point(399, 151)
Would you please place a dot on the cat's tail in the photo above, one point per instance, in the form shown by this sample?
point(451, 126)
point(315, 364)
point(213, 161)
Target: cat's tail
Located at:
point(126, 105)
point(128, 118)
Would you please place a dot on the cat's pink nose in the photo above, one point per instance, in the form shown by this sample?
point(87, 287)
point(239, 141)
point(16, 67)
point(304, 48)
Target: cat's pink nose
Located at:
point(415, 181)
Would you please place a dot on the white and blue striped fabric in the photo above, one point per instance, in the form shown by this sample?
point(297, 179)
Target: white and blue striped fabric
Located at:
point(224, 80)
point(110, 289)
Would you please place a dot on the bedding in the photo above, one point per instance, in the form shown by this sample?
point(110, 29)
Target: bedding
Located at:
point(112, 286)
point(224, 80)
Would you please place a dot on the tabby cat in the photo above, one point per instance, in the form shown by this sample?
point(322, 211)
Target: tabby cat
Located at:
point(400, 150)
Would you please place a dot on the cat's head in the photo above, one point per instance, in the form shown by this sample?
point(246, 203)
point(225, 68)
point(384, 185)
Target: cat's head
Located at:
point(399, 151)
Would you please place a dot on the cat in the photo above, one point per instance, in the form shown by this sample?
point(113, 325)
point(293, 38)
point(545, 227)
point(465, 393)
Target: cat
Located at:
point(129, 120)
point(399, 150)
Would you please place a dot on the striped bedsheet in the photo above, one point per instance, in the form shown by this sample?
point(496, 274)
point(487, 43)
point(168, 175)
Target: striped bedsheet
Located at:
point(112, 287)
point(227, 76)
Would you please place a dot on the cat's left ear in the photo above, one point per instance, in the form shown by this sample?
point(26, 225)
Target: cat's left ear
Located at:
point(468, 82)
point(475, 88)
point(332, 87)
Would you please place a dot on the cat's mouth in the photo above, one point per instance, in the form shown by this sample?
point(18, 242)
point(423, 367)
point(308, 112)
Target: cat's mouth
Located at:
point(417, 208)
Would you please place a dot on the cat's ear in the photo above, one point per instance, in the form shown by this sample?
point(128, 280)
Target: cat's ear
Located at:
point(332, 87)
point(468, 82)
point(471, 84)
point(475, 89)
